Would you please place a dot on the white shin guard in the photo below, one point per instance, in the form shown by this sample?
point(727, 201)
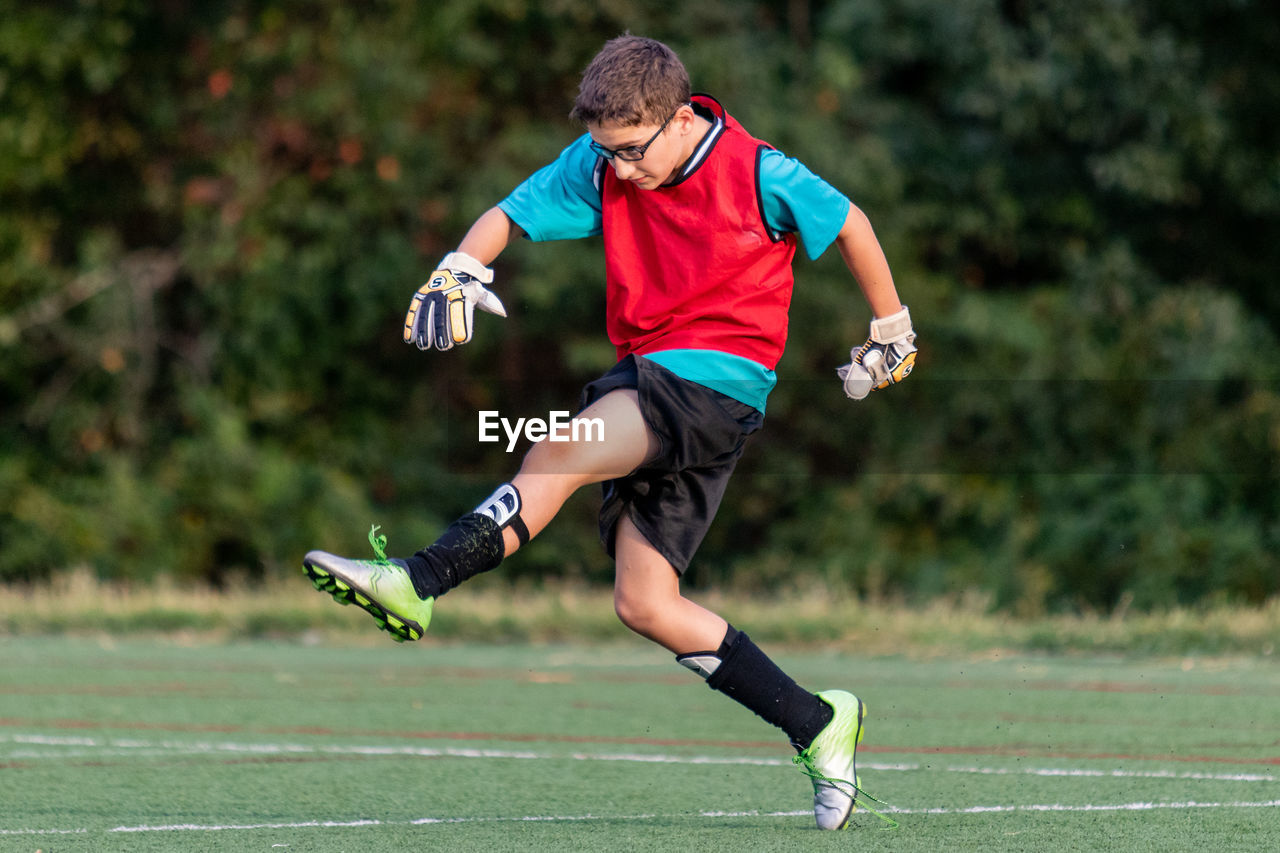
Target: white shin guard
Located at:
point(503, 506)
point(703, 663)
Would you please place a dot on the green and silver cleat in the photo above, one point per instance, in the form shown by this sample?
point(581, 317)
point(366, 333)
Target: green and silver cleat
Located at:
point(831, 763)
point(382, 587)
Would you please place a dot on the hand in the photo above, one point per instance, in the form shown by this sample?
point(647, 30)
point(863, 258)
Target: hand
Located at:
point(887, 357)
point(440, 313)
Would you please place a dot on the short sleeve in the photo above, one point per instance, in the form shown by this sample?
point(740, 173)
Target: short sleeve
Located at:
point(560, 201)
point(795, 200)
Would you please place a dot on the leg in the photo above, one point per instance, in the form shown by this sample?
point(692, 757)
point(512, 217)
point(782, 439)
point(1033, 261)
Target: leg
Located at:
point(825, 727)
point(646, 596)
point(552, 471)
point(400, 594)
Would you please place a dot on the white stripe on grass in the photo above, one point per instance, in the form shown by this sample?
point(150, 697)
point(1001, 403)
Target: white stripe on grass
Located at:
point(4, 832)
point(1092, 807)
point(427, 821)
point(120, 747)
point(249, 827)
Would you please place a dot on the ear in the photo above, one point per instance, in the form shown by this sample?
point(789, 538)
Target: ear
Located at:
point(684, 119)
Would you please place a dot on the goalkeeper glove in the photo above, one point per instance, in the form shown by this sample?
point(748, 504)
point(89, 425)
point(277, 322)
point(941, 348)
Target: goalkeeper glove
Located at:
point(440, 313)
point(887, 357)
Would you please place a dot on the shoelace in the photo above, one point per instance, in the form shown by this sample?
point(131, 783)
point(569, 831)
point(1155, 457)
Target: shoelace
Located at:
point(805, 763)
point(379, 544)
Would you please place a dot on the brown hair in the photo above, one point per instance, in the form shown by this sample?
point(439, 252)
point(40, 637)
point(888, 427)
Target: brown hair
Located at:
point(631, 81)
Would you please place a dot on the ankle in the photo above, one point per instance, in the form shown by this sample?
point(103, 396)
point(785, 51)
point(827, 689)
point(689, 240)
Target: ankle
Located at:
point(471, 545)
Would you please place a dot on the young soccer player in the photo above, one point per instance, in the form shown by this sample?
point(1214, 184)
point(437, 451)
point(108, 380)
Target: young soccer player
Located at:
point(700, 223)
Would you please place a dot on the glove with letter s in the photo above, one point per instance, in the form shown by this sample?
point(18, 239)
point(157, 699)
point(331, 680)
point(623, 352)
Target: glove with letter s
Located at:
point(440, 313)
point(887, 357)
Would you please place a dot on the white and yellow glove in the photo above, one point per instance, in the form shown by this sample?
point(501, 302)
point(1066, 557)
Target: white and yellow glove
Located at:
point(440, 313)
point(887, 357)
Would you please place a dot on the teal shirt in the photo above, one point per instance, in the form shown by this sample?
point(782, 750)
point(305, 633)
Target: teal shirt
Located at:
point(562, 201)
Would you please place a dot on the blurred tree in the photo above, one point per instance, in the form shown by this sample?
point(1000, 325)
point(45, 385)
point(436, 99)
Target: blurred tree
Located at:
point(212, 216)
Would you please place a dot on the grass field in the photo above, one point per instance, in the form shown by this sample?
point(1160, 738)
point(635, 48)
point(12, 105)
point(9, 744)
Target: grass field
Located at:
point(144, 744)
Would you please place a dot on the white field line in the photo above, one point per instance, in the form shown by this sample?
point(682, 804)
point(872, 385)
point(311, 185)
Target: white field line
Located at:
point(57, 747)
point(4, 832)
point(426, 821)
point(62, 747)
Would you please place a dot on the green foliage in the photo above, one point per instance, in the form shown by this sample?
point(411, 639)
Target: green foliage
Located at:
point(212, 216)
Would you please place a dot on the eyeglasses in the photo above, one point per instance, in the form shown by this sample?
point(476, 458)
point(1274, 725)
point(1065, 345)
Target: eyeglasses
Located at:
point(634, 152)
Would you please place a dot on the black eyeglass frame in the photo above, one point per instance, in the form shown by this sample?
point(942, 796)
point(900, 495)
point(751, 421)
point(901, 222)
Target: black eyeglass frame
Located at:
point(633, 153)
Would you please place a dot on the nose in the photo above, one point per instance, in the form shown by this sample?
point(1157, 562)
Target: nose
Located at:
point(622, 168)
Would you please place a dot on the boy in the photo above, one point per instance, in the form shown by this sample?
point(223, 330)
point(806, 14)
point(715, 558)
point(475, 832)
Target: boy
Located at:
point(700, 225)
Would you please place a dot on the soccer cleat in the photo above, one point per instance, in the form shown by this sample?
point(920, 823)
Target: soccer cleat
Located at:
point(382, 587)
point(830, 761)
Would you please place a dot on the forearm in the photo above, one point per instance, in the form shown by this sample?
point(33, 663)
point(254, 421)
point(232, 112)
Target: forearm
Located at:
point(490, 234)
point(864, 257)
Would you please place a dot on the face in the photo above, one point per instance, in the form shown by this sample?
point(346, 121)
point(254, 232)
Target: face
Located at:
point(669, 149)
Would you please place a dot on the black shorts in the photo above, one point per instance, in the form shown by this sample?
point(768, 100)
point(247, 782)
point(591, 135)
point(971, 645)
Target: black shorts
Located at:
point(672, 498)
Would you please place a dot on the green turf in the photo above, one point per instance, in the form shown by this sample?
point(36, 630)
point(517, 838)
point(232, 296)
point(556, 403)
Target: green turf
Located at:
point(146, 745)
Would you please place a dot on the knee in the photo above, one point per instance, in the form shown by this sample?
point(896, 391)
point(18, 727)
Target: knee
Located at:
point(638, 612)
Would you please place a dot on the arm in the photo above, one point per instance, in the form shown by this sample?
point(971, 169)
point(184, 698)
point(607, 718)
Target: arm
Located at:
point(862, 254)
point(889, 355)
point(490, 234)
point(794, 199)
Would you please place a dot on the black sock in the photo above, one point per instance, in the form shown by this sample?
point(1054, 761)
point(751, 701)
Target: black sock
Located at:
point(746, 675)
point(471, 545)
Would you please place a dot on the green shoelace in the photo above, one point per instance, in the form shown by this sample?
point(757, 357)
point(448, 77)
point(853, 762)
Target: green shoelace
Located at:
point(379, 544)
point(805, 763)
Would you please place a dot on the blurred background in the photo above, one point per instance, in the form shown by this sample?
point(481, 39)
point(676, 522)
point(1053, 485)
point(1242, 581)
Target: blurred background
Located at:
point(213, 214)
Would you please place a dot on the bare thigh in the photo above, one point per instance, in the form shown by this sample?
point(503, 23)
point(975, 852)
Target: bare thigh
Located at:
point(612, 442)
